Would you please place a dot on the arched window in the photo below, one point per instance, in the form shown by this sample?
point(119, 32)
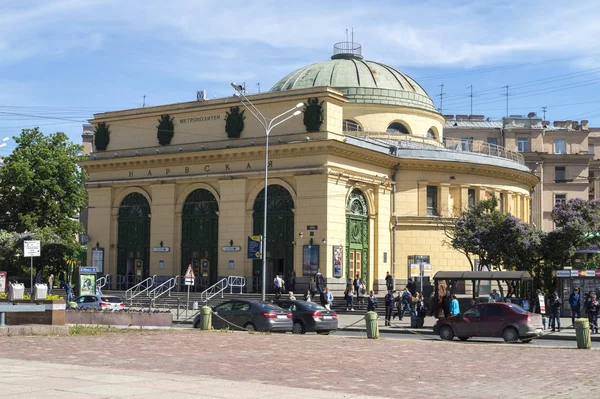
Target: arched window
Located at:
point(352, 126)
point(397, 127)
point(431, 134)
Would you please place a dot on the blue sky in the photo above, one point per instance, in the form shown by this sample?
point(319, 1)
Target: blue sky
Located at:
point(62, 61)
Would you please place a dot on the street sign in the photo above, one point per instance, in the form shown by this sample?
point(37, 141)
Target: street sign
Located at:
point(254, 247)
point(189, 276)
point(31, 248)
point(231, 249)
point(88, 269)
point(161, 249)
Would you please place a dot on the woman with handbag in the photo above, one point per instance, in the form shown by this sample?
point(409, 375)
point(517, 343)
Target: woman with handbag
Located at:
point(349, 294)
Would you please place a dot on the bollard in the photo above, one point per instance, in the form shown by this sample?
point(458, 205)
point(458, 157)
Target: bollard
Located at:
point(582, 331)
point(206, 318)
point(372, 327)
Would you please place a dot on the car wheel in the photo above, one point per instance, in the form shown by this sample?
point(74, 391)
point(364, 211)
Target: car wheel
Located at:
point(463, 338)
point(250, 327)
point(323, 332)
point(298, 328)
point(447, 333)
point(510, 334)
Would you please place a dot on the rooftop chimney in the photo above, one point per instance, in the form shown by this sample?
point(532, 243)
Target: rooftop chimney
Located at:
point(584, 124)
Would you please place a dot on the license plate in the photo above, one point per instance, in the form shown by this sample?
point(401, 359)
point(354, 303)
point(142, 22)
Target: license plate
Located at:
point(282, 316)
point(326, 317)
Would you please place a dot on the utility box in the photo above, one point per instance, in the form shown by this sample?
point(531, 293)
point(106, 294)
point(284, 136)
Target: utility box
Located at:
point(15, 292)
point(39, 292)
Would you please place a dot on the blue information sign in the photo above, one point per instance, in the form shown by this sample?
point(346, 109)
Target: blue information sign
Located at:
point(254, 247)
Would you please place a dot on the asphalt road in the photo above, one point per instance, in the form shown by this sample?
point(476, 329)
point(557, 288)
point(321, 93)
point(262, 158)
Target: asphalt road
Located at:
point(472, 341)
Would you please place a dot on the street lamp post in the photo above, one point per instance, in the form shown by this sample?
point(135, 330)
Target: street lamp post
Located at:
point(268, 124)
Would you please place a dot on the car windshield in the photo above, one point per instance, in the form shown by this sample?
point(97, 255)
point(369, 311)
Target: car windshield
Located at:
point(111, 299)
point(517, 308)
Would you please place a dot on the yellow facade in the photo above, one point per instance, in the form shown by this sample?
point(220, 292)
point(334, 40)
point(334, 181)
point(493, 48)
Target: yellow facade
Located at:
point(322, 172)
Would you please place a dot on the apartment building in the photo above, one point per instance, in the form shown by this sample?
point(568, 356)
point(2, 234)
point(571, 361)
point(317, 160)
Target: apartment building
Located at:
point(561, 154)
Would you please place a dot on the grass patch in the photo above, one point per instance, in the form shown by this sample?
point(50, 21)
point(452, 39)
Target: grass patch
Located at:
point(91, 330)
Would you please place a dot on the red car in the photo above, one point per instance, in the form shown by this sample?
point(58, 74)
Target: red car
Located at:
point(494, 319)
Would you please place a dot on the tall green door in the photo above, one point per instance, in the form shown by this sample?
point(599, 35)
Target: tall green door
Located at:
point(133, 247)
point(199, 237)
point(357, 237)
point(280, 235)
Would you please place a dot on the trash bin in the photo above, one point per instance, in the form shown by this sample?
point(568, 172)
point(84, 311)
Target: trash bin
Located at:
point(15, 292)
point(372, 327)
point(582, 332)
point(206, 318)
point(39, 292)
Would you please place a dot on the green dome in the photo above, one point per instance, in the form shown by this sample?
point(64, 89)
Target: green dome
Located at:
point(361, 81)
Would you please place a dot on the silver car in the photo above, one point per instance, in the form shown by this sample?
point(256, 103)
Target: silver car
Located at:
point(250, 315)
point(100, 302)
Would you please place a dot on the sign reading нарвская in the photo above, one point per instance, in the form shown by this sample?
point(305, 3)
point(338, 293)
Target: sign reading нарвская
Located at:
point(206, 168)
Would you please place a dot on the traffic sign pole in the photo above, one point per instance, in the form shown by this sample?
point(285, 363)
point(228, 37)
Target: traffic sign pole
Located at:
point(31, 283)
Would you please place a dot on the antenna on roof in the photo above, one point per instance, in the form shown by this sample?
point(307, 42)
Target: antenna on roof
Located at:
point(471, 95)
point(441, 96)
point(544, 111)
point(144, 101)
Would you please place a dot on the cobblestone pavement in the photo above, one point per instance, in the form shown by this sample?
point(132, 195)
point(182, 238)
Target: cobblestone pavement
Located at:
point(387, 368)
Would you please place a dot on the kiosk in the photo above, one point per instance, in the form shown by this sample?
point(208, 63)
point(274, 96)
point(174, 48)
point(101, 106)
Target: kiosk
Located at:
point(86, 283)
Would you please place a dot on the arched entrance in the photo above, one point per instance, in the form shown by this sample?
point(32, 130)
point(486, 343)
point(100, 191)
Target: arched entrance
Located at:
point(357, 236)
point(199, 237)
point(280, 234)
point(133, 245)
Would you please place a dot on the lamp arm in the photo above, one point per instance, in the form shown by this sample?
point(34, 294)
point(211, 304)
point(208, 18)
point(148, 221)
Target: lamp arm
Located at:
point(284, 113)
point(242, 95)
point(280, 122)
point(261, 121)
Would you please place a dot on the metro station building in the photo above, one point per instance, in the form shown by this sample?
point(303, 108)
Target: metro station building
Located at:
point(357, 184)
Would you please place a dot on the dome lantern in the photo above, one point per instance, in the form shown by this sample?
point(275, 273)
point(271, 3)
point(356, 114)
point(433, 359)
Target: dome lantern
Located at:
point(347, 51)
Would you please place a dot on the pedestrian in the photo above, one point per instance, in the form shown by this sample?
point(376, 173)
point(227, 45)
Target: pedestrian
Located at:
point(389, 307)
point(421, 310)
point(68, 291)
point(38, 277)
point(446, 299)
point(349, 294)
point(433, 306)
point(454, 306)
point(307, 296)
point(496, 296)
point(357, 286)
point(411, 286)
point(312, 289)
point(406, 301)
point(293, 281)
point(398, 304)
point(586, 302)
point(278, 286)
point(372, 302)
point(50, 283)
point(555, 304)
point(575, 302)
point(389, 282)
point(292, 297)
point(319, 281)
point(328, 299)
point(491, 297)
point(593, 308)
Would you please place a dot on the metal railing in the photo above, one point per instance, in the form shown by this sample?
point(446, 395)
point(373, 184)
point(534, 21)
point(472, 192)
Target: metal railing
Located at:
point(140, 288)
point(214, 290)
point(162, 289)
point(236, 281)
point(400, 141)
point(103, 282)
point(480, 147)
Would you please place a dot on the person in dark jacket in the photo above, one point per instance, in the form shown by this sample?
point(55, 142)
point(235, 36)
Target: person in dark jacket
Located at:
point(575, 302)
point(389, 281)
point(372, 302)
point(592, 311)
point(312, 288)
point(555, 304)
point(412, 287)
point(389, 307)
point(446, 304)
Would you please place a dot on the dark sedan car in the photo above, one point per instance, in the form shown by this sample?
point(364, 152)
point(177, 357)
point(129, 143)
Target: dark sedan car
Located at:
point(495, 319)
point(309, 317)
point(250, 315)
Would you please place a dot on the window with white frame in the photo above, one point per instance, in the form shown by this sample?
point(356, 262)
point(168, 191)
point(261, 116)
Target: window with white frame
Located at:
point(523, 144)
point(560, 146)
point(560, 198)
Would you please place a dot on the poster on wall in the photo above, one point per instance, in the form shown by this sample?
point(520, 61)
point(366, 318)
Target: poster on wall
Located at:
point(310, 260)
point(98, 259)
point(87, 284)
point(2, 282)
point(338, 261)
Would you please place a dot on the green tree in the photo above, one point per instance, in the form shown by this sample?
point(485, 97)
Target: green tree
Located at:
point(41, 185)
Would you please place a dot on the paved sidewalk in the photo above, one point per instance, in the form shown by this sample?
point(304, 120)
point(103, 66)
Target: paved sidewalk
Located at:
point(193, 363)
